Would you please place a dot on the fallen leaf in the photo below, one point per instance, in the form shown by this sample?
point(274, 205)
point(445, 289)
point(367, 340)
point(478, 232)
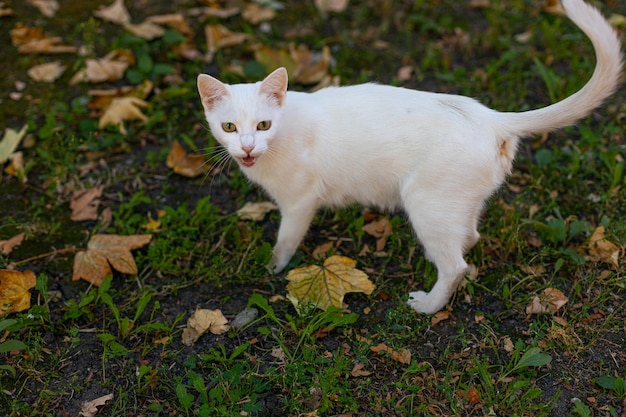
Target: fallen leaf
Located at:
point(380, 229)
point(602, 250)
point(5, 12)
point(102, 98)
point(256, 211)
point(154, 224)
point(14, 294)
point(47, 8)
point(402, 355)
point(84, 204)
point(121, 109)
point(617, 20)
point(325, 286)
point(320, 251)
point(48, 72)
point(255, 14)
point(107, 252)
point(218, 36)
point(174, 20)
point(111, 67)
point(311, 67)
point(359, 370)
point(146, 30)
point(16, 166)
point(32, 40)
point(439, 317)
point(405, 72)
point(325, 6)
point(6, 246)
point(202, 321)
point(275, 58)
point(90, 408)
point(550, 301)
point(115, 13)
point(554, 7)
point(10, 141)
point(472, 395)
point(187, 165)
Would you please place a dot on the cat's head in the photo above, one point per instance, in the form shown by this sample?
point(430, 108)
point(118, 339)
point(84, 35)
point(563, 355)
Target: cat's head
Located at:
point(244, 117)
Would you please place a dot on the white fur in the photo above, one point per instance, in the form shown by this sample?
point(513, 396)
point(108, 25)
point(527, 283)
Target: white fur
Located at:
point(437, 156)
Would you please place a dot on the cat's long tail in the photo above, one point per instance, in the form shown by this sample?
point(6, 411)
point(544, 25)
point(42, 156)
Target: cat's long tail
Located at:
point(604, 81)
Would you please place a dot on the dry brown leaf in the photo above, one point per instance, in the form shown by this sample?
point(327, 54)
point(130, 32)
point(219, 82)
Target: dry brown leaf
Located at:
point(256, 211)
point(311, 67)
point(111, 67)
point(187, 165)
point(550, 301)
point(5, 12)
point(215, 12)
point(439, 317)
point(22, 34)
point(402, 355)
point(6, 246)
point(102, 98)
point(472, 395)
point(115, 13)
point(84, 204)
point(47, 8)
point(146, 30)
point(174, 20)
point(321, 250)
point(107, 252)
point(602, 250)
point(14, 290)
point(31, 40)
point(255, 14)
point(405, 73)
point(48, 72)
point(325, 6)
point(90, 408)
point(202, 321)
point(121, 109)
point(325, 286)
point(218, 36)
point(554, 7)
point(359, 370)
point(380, 229)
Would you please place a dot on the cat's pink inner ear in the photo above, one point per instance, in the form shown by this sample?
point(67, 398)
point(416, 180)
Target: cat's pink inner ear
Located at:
point(275, 85)
point(211, 90)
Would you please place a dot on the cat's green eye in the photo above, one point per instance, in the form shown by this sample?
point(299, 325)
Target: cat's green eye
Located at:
point(229, 127)
point(264, 125)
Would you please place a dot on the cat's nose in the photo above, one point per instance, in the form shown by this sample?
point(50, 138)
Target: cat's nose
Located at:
point(247, 149)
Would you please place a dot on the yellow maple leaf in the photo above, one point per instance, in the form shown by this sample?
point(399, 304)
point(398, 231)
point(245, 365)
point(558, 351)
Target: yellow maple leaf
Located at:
point(14, 294)
point(105, 252)
point(325, 286)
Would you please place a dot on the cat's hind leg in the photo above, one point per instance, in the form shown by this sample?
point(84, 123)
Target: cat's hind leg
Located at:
point(446, 227)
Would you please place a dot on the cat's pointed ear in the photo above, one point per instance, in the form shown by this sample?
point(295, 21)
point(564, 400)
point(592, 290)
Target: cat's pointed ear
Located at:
point(275, 85)
point(211, 90)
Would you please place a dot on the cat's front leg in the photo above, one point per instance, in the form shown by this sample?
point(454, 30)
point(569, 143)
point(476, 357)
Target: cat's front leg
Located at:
point(294, 224)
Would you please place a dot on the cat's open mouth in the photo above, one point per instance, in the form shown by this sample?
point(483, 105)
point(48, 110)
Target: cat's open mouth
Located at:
point(248, 161)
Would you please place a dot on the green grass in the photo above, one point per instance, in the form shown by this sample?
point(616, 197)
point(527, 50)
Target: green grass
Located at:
point(77, 342)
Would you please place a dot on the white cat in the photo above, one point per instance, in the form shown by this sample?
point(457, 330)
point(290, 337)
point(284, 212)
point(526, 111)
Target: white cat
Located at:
point(437, 156)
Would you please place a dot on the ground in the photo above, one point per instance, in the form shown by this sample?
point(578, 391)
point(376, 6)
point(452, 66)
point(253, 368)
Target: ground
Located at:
point(486, 355)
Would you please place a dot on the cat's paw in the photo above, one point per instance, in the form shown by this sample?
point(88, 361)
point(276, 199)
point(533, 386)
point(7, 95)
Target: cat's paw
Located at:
point(422, 302)
point(276, 265)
